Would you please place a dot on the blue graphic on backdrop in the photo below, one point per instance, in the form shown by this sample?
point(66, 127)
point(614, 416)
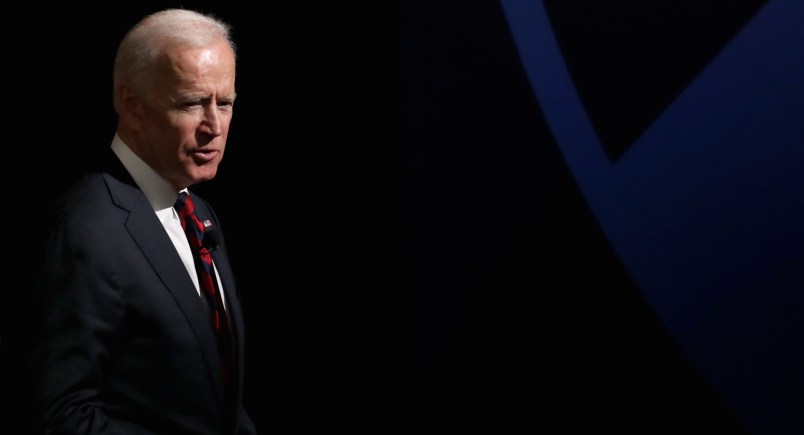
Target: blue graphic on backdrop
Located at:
point(706, 206)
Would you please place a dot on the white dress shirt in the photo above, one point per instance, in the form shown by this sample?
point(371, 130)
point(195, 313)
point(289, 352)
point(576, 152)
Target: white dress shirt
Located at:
point(162, 197)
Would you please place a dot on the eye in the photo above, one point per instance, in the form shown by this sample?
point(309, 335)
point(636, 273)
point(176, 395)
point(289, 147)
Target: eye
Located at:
point(189, 105)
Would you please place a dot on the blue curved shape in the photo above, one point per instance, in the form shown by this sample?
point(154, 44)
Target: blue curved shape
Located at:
point(706, 209)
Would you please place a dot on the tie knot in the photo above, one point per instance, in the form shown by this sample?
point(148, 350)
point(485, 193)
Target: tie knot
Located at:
point(184, 205)
point(199, 234)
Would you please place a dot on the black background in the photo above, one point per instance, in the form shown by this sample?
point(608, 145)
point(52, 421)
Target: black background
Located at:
point(308, 194)
point(424, 258)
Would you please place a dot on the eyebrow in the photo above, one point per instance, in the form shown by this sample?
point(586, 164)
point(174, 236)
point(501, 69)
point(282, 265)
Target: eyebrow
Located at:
point(204, 96)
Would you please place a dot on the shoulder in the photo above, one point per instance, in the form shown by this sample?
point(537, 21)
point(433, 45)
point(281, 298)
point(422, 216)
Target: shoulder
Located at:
point(93, 197)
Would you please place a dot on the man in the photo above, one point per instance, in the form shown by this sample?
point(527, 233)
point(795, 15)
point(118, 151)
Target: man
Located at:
point(141, 330)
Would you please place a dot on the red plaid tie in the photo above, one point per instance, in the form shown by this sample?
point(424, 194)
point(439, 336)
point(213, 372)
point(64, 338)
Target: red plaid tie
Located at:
point(207, 281)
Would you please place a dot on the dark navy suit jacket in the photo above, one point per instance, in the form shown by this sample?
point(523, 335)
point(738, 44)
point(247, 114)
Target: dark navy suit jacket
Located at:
point(125, 344)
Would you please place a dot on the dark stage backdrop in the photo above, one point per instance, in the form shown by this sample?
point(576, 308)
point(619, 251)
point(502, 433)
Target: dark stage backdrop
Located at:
point(603, 204)
point(443, 247)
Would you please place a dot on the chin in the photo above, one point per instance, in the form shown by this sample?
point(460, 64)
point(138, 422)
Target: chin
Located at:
point(203, 173)
point(203, 177)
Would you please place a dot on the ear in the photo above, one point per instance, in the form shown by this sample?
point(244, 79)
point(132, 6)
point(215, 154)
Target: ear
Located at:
point(129, 106)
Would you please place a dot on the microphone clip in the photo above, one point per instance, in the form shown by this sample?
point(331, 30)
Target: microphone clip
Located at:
point(211, 240)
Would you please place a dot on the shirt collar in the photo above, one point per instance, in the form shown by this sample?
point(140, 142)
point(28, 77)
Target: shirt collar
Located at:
point(159, 193)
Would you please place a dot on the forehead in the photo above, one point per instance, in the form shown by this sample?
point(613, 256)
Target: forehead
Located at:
point(184, 66)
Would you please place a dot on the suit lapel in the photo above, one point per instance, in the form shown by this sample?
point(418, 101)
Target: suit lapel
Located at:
point(232, 305)
point(224, 269)
point(150, 236)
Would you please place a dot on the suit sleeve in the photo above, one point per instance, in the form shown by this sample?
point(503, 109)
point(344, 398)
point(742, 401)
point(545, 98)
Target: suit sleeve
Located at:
point(81, 310)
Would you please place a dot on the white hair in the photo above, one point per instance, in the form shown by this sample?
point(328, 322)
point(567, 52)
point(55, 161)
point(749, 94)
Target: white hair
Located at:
point(156, 33)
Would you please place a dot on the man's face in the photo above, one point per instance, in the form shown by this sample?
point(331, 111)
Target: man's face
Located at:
point(185, 117)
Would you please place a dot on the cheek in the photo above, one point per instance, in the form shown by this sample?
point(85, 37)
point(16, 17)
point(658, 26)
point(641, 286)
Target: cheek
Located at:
point(164, 129)
point(183, 134)
point(183, 125)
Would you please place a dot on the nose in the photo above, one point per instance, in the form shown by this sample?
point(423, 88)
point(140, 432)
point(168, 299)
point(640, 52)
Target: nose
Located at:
point(211, 124)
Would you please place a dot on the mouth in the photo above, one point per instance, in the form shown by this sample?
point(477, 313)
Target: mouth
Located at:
point(204, 155)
